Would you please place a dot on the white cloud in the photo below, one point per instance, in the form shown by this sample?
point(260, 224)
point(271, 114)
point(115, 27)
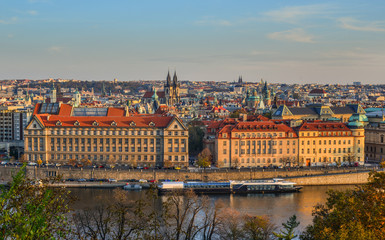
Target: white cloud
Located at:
point(210, 21)
point(357, 25)
point(32, 12)
point(295, 13)
point(55, 49)
point(9, 21)
point(293, 35)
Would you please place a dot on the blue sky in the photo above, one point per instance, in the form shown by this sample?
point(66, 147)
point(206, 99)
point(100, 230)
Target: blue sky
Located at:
point(279, 41)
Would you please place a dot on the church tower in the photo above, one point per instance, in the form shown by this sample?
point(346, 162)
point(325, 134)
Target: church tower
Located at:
point(171, 89)
point(53, 94)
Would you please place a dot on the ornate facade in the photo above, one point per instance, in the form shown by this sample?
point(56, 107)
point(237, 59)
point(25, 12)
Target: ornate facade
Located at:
point(60, 133)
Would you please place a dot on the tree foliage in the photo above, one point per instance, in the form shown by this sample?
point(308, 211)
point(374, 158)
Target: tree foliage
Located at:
point(288, 231)
point(204, 158)
point(195, 140)
point(351, 214)
point(30, 211)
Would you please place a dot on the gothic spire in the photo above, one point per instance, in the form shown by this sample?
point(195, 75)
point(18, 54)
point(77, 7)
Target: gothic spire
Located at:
point(175, 79)
point(168, 79)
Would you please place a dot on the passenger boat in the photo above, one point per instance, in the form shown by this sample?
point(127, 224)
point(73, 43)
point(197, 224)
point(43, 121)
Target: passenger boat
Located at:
point(275, 185)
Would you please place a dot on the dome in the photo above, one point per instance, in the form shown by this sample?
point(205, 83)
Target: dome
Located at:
point(355, 124)
point(358, 117)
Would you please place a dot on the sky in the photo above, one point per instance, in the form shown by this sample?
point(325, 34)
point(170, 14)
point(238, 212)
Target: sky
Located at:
point(202, 40)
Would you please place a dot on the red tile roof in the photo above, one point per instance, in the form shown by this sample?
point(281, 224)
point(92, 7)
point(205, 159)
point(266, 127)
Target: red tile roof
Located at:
point(65, 110)
point(149, 94)
point(324, 126)
point(116, 112)
point(139, 120)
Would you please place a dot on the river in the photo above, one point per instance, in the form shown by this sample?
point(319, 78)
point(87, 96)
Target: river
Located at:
point(279, 207)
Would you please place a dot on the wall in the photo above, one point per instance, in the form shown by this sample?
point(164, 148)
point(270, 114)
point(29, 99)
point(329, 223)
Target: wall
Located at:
point(304, 177)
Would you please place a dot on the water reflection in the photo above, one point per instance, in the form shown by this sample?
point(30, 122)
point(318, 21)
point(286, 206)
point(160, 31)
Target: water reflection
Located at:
point(279, 207)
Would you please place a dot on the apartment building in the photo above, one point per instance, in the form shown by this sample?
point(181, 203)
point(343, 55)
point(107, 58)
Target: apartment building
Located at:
point(322, 143)
point(60, 133)
point(13, 120)
point(253, 144)
point(271, 143)
point(375, 142)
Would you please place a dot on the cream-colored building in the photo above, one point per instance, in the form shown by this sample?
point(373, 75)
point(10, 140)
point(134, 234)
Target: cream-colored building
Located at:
point(59, 133)
point(324, 143)
point(268, 143)
point(256, 144)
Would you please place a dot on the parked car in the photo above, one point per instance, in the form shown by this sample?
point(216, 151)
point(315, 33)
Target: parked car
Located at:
point(112, 180)
point(82, 180)
point(142, 180)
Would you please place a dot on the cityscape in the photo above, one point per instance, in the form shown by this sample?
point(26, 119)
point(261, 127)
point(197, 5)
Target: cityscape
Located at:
point(192, 120)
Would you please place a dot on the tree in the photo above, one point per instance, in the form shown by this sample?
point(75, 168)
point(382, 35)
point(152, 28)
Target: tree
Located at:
point(350, 158)
point(231, 225)
point(258, 227)
point(352, 214)
point(195, 139)
point(289, 229)
point(72, 162)
point(121, 219)
point(204, 158)
point(39, 162)
point(235, 163)
point(86, 162)
point(22, 158)
point(28, 211)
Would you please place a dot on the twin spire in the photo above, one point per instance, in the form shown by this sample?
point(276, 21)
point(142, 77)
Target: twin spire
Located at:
point(174, 79)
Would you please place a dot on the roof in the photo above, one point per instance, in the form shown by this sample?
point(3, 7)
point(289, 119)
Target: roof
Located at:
point(260, 126)
point(149, 94)
point(342, 110)
point(100, 121)
point(317, 91)
point(302, 111)
point(323, 126)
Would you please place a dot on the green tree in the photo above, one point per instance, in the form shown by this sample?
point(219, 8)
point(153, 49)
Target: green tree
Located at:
point(29, 211)
point(352, 214)
point(195, 140)
point(288, 231)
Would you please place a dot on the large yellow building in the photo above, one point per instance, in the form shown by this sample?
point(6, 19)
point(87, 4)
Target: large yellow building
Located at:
point(256, 144)
point(269, 143)
point(322, 143)
point(59, 133)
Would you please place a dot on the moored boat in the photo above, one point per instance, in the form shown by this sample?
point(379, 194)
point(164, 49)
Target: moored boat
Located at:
point(275, 185)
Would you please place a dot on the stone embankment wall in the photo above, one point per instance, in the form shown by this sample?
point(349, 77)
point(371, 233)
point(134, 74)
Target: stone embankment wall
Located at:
point(302, 177)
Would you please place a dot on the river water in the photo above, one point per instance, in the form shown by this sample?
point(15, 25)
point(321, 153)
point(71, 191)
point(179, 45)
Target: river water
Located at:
point(279, 207)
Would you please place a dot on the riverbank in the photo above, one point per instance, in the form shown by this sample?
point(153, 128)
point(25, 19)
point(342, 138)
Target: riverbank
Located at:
point(304, 177)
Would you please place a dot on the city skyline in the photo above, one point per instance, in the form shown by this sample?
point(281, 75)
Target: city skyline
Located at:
point(291, 42)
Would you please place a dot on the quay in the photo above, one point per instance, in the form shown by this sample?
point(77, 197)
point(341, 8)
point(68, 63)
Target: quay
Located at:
point(303, 177)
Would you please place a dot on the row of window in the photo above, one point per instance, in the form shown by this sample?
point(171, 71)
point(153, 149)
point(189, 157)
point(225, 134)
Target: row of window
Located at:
point(107, 132)
point(259, 135)
point(260, 151)
point(325, 142)
point(326, 134)
point(331, 150)
point(78, 157)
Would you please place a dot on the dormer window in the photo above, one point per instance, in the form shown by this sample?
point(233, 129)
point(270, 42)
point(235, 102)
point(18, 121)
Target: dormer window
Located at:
point(113, 123)
point(76, 123)
point(58, 123)
point(151, 124)
point(132, 124)
point(95, 123)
